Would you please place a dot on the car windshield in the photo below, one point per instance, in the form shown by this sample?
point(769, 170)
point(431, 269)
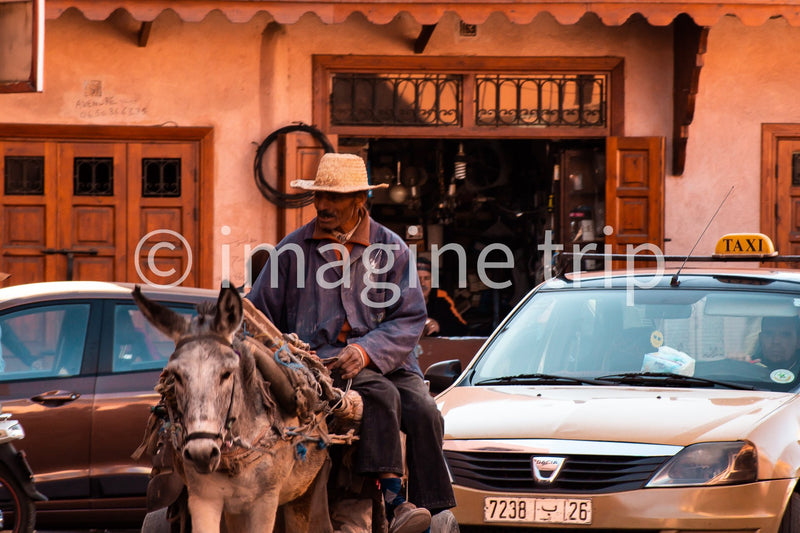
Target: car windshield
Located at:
point(650, 337)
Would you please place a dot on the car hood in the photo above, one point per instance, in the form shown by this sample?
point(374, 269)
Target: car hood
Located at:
point(631, 414)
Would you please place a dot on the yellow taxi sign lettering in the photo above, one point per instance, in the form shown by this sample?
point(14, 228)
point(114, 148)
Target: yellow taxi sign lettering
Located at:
point(745, 245)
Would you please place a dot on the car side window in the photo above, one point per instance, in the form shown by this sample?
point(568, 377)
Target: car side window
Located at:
point(138, 345)
point(45, 341)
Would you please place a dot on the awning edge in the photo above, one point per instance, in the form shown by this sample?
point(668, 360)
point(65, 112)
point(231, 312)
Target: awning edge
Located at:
point(753, 13)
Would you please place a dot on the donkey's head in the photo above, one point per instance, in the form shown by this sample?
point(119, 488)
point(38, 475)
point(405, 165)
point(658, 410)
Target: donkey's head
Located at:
point(205, 369)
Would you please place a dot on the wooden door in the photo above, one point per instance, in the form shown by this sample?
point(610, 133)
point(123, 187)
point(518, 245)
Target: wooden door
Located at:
point(634, 191)
point(104, 211)
point(28, 199)
point(91, 212)
point(301, 155)
point(162, 213)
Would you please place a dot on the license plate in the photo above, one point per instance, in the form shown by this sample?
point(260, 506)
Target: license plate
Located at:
point(537, 510)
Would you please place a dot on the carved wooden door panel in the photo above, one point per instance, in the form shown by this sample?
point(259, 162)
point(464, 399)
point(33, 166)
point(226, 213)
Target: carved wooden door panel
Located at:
point(90, 222)
point(28, 200)
point(635, 191)
point(162, 213)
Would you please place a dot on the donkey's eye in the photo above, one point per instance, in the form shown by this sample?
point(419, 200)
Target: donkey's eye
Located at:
point(224, 376)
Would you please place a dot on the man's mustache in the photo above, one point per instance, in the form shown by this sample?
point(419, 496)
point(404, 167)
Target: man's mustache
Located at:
point(325, 213)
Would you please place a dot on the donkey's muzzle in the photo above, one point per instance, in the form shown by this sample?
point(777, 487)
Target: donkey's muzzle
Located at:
point(202, 451)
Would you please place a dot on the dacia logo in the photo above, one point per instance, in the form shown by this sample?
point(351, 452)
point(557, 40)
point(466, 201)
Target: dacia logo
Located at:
point(546, 468)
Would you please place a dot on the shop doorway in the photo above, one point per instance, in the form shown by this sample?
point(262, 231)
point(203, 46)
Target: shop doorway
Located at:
point(543, 160)
point(487, 202)
point(494, 202)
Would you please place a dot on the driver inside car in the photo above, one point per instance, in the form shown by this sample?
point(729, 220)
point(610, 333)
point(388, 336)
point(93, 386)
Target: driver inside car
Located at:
point(779, 344)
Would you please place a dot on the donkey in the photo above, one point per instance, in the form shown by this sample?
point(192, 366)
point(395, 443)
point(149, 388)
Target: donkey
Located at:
point(239, 461)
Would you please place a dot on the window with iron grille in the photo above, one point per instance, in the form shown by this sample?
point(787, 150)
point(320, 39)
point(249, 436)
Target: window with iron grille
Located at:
point(93, 176)
point(469, 96)
point(396, 99)
point(161, 178)
point(24, 175)
point(541, 100)
point(795, 169)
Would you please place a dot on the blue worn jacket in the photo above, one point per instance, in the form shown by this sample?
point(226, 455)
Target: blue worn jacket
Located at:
point(307, 294)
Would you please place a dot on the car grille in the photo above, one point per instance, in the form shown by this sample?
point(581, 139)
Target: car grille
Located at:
point(501, 471)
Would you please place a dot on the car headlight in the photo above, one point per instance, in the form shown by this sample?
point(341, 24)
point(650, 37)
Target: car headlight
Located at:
point(709, 463)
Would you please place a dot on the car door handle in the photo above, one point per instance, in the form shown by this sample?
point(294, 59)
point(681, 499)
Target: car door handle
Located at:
point(56, 396)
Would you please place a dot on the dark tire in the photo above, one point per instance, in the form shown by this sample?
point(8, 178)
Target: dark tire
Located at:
point(19, 512)
point(791, 517)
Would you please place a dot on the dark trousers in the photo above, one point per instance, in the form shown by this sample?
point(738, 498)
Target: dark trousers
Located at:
point(401, 401)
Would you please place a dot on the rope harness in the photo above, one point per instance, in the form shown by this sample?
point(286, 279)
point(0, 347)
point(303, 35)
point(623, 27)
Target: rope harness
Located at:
point(306, 373)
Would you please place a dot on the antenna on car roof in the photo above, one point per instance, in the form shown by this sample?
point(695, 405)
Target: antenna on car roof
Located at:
point(674, 281)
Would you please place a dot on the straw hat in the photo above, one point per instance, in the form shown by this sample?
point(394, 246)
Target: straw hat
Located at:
point(340, 173)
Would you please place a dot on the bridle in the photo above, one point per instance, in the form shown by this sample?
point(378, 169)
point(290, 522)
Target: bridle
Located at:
point(229, 418)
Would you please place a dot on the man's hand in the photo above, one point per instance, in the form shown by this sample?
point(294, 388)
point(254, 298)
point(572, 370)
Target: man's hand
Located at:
point(349, 362)
point(431, 327)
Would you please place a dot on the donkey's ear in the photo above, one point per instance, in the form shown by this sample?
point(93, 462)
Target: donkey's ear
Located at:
point(229, 312)
point(163, 318)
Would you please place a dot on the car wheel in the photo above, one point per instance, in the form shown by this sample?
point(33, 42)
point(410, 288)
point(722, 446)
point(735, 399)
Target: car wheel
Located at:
point(791, 517)
point(18, 511)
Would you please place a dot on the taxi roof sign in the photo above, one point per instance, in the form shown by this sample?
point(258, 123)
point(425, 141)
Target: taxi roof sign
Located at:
point(745, 245)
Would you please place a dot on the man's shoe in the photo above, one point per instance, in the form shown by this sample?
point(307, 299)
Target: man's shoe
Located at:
point(408, 518)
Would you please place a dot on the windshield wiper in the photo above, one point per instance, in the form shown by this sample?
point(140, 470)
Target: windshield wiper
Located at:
point(668, 379)
point(539, 379)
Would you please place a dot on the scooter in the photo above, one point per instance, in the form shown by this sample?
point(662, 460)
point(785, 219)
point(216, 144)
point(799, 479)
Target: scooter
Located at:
point(17, 490)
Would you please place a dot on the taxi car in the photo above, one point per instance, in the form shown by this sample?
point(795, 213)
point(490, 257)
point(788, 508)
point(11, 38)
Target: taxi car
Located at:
point(77, 368)
point(642, 401)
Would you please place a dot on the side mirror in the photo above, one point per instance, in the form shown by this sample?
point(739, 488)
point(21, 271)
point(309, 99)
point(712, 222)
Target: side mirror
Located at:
point(442, 374)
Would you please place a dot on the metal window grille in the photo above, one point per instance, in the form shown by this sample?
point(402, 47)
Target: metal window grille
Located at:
point(360, 99)
point(24, 175)
point(93, 176)
point(577, 100)
point(161, 178)
point(795, 169)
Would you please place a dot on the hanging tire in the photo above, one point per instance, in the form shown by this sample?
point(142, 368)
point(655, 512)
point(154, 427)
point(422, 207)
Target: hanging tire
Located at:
point(19, 512)
point(281, 199)
point(791, 517)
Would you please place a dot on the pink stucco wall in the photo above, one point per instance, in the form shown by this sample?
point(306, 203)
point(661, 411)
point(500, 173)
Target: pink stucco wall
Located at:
point(247, 79)
point(749, 78)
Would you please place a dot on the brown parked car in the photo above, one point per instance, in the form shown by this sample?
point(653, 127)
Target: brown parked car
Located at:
point(78, 367)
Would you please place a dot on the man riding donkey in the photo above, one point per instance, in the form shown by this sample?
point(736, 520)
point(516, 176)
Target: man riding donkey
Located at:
point(343, 284)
